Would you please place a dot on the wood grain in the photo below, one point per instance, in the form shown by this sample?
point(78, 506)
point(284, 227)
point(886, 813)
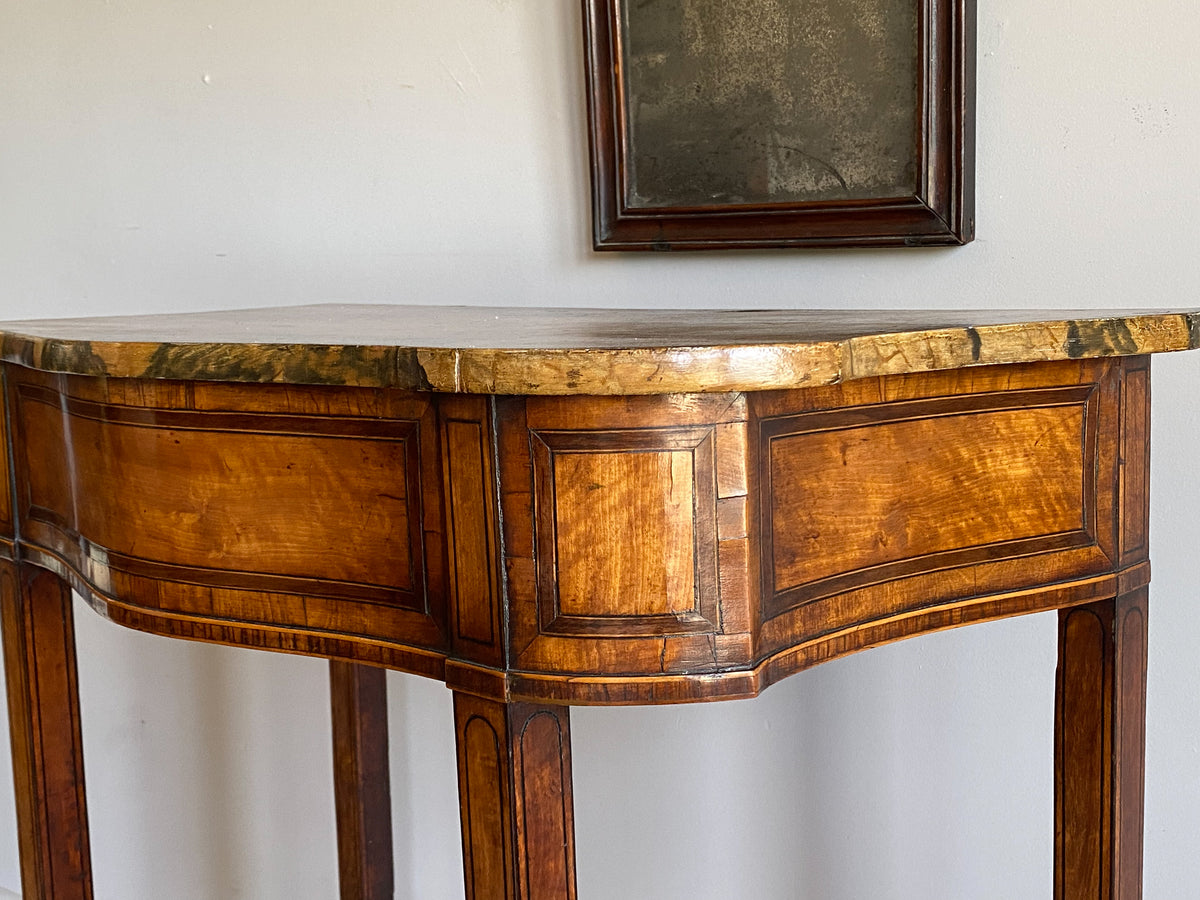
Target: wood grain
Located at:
point(597, 536)
point(211, 490)
point(578, 482)
point(592, 489)
point(514, 782)
point(1044, 519)
point(600, 496)
point(587, 538)
point(1134, 489)
point(202, 502)
point(361, 781)
point(472, 531)
point(37, 622)
point(1100, 750)
point(872, 491)
point(529, 351)
point(736, 683)
point(7, 530)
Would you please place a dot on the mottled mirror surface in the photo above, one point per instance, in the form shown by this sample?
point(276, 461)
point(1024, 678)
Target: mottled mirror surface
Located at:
point(769, 101)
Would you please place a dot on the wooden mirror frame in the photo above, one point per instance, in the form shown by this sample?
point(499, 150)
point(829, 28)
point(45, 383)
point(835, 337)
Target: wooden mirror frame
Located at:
point(939, 212)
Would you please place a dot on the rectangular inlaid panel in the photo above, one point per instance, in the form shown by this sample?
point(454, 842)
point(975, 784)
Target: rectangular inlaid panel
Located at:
point(853, 501)
point(600, 499)
point(626, 530)
point(626, 535)
point(469, 481)
point(323, 501)
point(1135, 461)
point(467, 501)
point(6, 516)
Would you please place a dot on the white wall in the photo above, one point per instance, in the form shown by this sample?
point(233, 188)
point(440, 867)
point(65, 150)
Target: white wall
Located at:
point(172, 156)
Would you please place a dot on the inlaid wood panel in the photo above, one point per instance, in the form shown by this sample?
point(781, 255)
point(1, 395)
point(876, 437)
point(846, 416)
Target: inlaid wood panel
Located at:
point(471, 528)
point(597, 495)
point(199, 504)
point(881, 492)
point(594, 489)
point(198, 491)
point(1135, 461)
point(6, 509)
point(622, 555)
point(967, 485)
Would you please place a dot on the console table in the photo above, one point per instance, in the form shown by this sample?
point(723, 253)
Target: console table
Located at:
point(544, 508)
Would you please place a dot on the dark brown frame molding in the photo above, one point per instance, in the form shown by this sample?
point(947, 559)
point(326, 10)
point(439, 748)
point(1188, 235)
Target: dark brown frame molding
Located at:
point(939, 212)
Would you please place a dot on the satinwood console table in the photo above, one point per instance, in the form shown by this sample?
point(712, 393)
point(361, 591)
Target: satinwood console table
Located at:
point(544, 508)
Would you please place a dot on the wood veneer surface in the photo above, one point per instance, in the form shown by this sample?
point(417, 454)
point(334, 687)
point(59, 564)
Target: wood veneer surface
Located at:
point(509, 350)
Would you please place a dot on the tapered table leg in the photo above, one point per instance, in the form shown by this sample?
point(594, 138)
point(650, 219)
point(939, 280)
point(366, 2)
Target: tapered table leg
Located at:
point(1100, 736)
point(361, 782)
point(47, 747)
point(514, 786)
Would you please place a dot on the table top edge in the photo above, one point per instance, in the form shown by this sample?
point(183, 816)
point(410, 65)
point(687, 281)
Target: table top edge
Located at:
point(769, 349)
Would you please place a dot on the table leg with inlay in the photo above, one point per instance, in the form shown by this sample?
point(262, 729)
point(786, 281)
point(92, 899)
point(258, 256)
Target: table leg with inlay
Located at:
point(1099, 751)
point(514, 786)
point(37, 621)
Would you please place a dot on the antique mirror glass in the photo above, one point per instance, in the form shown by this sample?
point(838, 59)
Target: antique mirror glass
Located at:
point(766, 101)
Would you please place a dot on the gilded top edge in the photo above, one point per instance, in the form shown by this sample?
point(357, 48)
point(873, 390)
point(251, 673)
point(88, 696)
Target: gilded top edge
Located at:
point(614, 371)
